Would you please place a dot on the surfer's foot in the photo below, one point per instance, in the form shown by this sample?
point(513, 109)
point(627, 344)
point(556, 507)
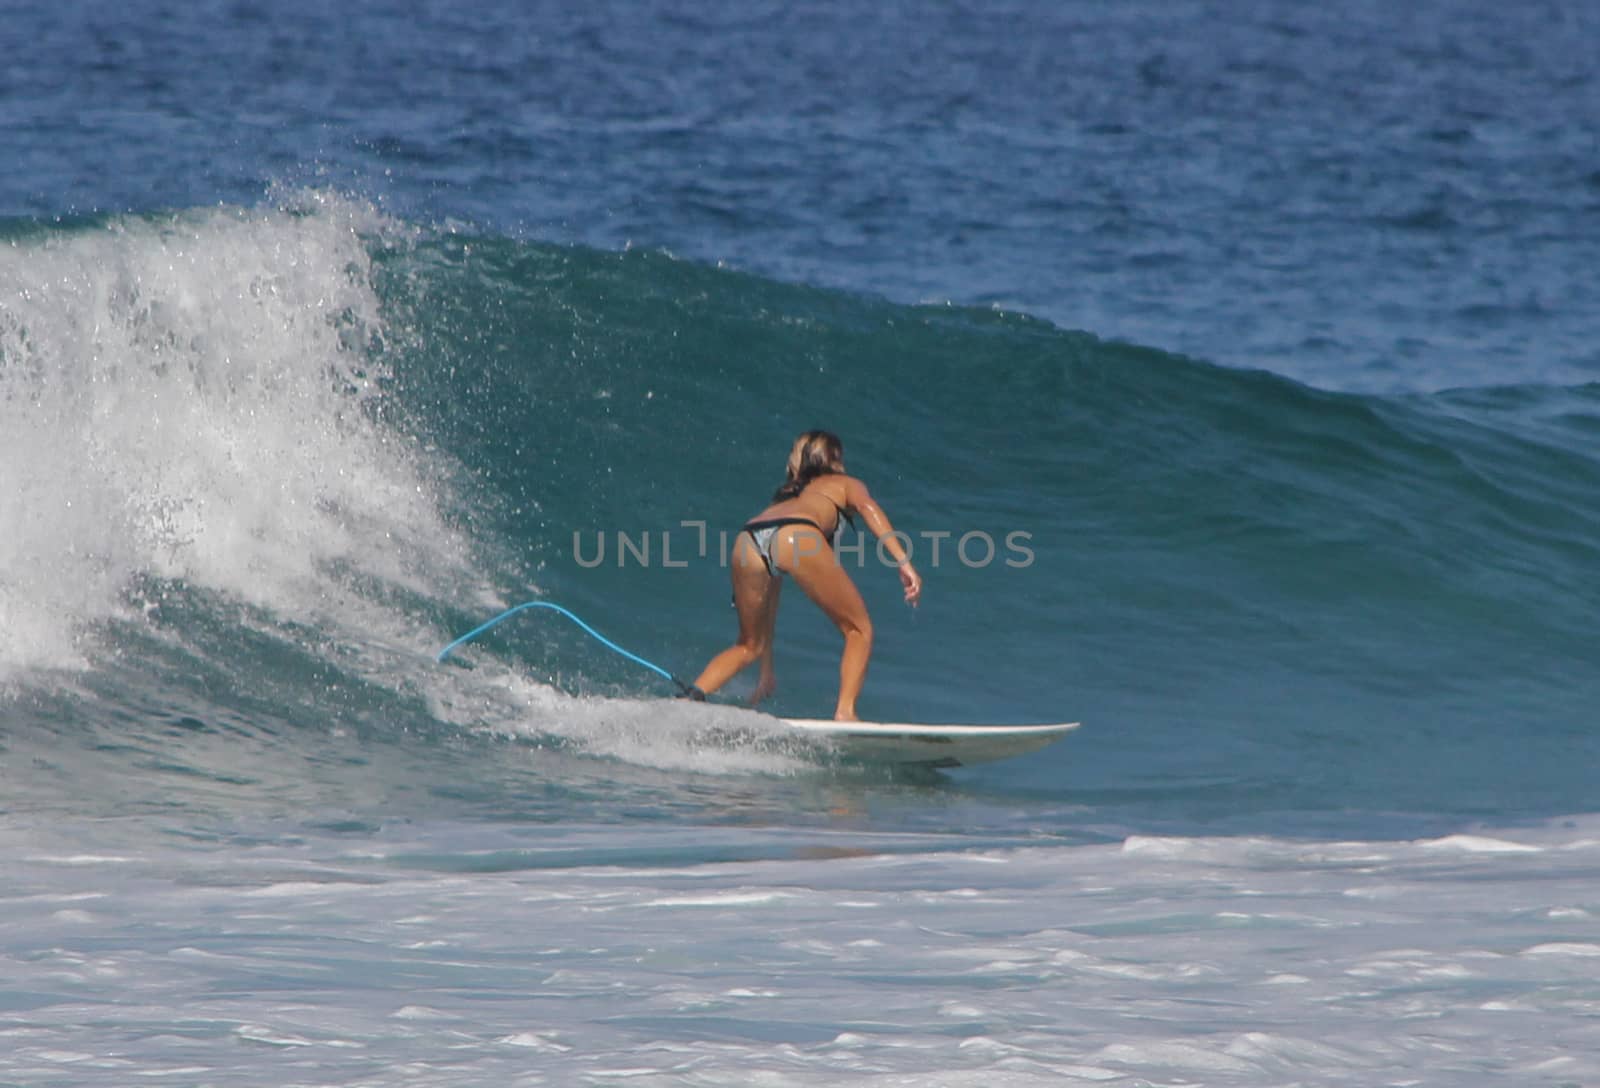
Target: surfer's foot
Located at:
point(693, 692)
point(763, 690)
point(845, 716)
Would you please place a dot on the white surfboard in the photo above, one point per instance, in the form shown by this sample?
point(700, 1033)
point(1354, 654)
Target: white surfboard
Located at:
point(930, 745)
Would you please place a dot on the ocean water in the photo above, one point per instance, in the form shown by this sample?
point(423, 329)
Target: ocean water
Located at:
point(1232, 367)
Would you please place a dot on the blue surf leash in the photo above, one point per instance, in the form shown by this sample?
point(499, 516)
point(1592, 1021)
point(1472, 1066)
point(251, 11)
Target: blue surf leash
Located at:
point(688, 690)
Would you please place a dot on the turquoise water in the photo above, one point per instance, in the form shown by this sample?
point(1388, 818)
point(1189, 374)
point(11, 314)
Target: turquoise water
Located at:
point(1236, 359)
point(1270, 602)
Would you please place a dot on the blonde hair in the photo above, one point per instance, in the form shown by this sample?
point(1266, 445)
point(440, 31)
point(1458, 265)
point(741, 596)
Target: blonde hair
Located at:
point(815, 453)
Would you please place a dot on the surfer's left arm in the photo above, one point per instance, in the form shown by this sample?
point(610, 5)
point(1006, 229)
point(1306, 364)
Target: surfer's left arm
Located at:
point(861, 501)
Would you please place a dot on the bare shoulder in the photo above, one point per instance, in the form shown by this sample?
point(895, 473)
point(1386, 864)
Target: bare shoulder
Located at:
point(841, 490)
point(855, 492)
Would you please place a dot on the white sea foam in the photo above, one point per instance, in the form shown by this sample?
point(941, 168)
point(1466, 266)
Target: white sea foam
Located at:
point(661, 734)
point(187, 399)
point(1229, 962)
point(1480, 844)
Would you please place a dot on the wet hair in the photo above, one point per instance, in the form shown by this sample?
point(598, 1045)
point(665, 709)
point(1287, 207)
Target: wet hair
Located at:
point(815, 453)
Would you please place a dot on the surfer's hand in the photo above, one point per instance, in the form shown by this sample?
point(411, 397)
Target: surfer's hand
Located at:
point(764, 688)
point(913, 583)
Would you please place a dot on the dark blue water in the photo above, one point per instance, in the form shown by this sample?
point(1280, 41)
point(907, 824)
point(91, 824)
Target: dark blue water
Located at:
point(328, 333)
point(1361, 196)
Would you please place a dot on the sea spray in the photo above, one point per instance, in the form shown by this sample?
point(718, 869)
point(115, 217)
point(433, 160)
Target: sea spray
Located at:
point(191, 398)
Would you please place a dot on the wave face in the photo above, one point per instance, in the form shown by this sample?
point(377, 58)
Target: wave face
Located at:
point(262, 462)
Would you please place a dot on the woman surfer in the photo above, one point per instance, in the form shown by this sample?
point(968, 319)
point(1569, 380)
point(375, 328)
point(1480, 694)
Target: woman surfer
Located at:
point(796, 536)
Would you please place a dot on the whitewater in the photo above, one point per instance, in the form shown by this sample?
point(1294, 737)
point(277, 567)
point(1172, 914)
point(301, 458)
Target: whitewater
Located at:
point(446, 954)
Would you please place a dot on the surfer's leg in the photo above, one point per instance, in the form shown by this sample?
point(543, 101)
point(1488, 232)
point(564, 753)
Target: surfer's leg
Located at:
point(755, 594)
point(826, 582)
point(769, 622)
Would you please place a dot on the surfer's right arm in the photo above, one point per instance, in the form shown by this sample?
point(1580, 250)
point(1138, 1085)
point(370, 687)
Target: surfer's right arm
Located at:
point(859, 500)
